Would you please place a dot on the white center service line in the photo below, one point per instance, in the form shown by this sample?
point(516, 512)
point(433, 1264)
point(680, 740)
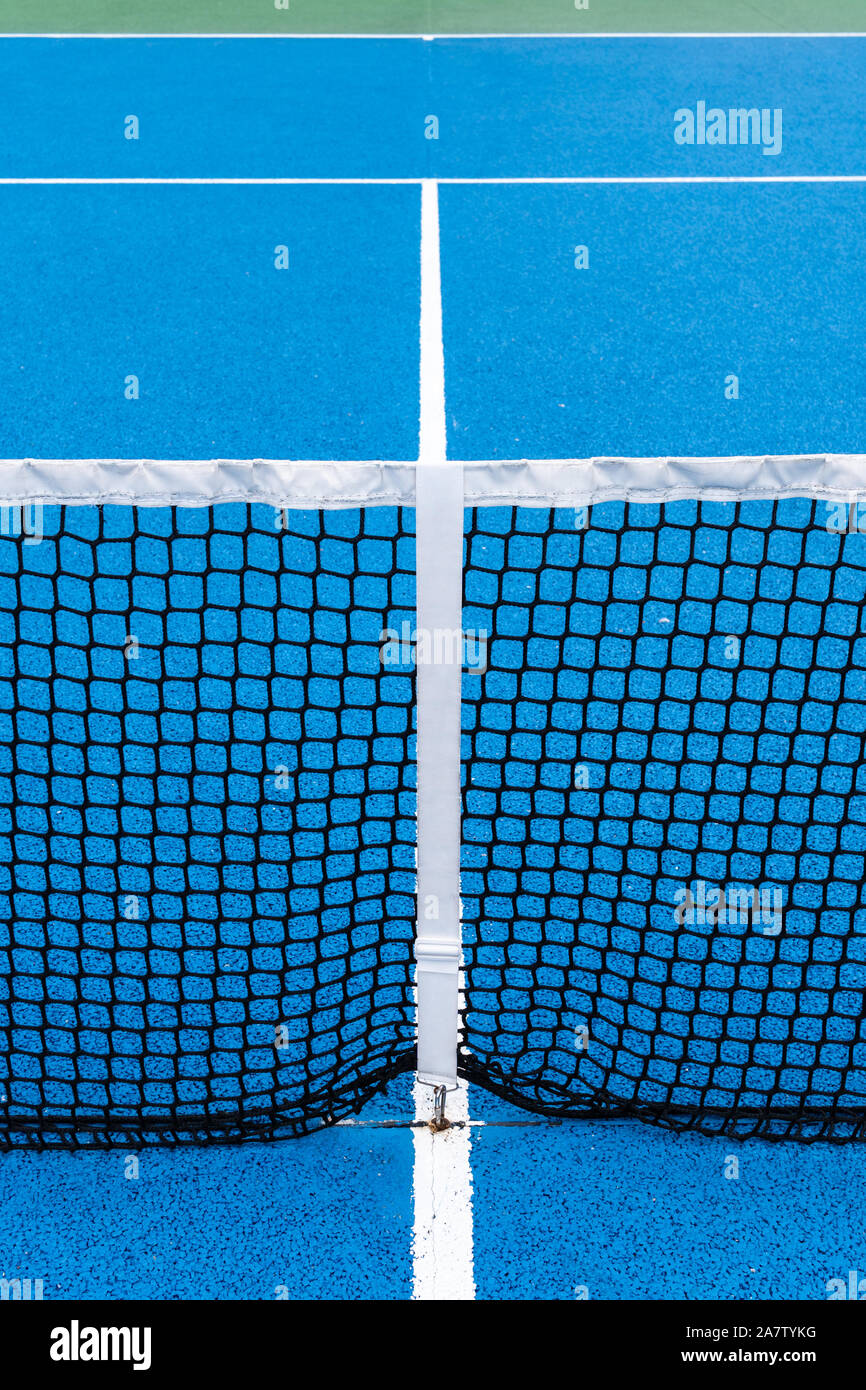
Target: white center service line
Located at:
point(442, 1240)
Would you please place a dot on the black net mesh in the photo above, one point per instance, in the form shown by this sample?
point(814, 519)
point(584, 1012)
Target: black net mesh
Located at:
point(207, 818)
point(665, 816)
point(207, 822)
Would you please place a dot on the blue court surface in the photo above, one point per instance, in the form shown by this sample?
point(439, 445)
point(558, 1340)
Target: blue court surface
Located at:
point(580, 319)
point(507, 107)
point(685, 288)
point(177, 288)
point(615, 1209)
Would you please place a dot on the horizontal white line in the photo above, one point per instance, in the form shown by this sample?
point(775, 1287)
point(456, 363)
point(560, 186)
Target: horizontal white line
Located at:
point(542, 1123)
point(416, 182)
point(738, 34)
point(195, 181)
point(674, 178)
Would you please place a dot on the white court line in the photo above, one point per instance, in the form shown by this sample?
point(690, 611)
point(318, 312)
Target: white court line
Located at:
point(737, 34)
point(442, 1185)
point(433, 433)
point(417, 182)
point(442, 1239)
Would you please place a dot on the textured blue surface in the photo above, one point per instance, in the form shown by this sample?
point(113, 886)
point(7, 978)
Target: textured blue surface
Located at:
point(633, 1213)
point(530, 107)
point(327, 1217)
point(211, 108)
point(235, 359)
point(606, 107)
point(686, 286)
point(629, 1212)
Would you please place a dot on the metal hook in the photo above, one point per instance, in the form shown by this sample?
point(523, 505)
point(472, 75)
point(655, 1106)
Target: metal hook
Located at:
point(439, 1122)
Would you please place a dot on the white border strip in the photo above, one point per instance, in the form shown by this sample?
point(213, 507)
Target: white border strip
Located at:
point(327, 483)
point(582, 482)
point(198, 482)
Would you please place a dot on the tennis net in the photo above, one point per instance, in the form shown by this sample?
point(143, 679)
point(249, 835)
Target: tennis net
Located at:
point(665, 815)
point(208, 816)
point(207, 821)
